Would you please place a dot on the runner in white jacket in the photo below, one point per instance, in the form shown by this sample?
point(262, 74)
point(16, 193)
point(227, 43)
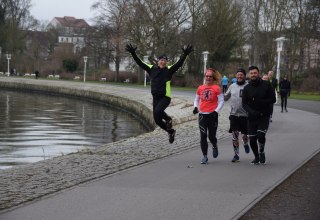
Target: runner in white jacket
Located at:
point(238, 116)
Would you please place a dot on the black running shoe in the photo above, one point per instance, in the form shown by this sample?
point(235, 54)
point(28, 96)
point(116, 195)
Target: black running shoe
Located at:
point(247, 148)
point(215, 152)
point(171, 137)
point(169, 125)
point(255, 161)
point(262, 158)
point(204, 160)
point(235, 159)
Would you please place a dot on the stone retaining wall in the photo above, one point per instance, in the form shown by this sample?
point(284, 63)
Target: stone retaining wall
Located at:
point(119, 101)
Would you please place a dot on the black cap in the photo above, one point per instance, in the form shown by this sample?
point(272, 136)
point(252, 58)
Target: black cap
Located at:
point(241, 70)
point(163, 56)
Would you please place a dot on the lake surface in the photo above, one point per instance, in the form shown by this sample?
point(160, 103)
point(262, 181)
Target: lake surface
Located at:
point(35, 126)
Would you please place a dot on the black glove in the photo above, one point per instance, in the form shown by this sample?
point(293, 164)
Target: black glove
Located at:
point(195, 110)
point(187, 49)
point(130, 48)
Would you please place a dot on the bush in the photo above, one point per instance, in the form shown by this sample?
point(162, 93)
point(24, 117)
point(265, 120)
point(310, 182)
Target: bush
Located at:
point(310, 84)
point(70, 65)
point(186, 80)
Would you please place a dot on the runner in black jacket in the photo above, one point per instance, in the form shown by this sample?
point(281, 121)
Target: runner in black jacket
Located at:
point(284, 88)
point(160, 76)
point(257, 97)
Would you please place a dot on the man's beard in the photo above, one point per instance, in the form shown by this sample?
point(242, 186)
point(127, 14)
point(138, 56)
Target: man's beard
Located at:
point(255, 81)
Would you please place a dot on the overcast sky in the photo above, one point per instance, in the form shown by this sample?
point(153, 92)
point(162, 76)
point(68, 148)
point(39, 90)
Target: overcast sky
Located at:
point(46, 10)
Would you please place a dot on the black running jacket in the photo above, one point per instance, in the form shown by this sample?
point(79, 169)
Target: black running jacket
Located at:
point(257, 98)
point(160, 78)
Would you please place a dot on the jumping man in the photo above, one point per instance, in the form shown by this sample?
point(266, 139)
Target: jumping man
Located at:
point(160, 76)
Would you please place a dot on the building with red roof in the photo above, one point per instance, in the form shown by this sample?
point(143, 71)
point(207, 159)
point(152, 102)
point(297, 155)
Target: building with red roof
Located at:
point(71, 31)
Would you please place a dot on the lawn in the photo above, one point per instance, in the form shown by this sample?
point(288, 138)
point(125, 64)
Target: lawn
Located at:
point(305, 96)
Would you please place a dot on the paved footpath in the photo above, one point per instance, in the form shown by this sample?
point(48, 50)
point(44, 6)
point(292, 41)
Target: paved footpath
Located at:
point(146, 178)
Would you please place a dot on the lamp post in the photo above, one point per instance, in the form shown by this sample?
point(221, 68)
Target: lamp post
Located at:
point(8, 55)
point(85, 59)
point(205, 59)
point(279, 41)
point(145, 59)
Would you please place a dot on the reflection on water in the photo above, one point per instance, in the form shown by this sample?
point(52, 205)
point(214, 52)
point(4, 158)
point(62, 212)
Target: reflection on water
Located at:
point(37, 126)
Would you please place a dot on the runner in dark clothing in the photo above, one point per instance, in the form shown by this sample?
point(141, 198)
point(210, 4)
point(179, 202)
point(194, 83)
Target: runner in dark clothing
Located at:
point(160, 76)
point(274, 84)
point(285, 89)
point(257, 97)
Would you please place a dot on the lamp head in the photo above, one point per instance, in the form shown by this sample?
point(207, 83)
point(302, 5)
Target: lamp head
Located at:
point(205, 55)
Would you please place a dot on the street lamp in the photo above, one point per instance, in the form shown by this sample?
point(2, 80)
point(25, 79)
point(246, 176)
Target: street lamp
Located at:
point(85, 59)
point(8, 55)
point(145, 59)
point(205, 59)
point(279, 41)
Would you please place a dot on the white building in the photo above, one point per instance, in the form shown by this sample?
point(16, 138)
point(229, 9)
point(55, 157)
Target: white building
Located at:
point(71, 30)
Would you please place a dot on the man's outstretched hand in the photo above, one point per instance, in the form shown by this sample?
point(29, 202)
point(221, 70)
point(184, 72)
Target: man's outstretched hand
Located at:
point(131, 49)
point(187, 49)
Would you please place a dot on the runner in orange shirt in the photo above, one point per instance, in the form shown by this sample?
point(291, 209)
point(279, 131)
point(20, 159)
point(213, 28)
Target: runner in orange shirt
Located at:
point(208, 102)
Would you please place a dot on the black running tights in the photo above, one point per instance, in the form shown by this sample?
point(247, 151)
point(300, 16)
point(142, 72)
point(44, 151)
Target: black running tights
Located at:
point(284, 98)
point(159, 106)
point(208, 124)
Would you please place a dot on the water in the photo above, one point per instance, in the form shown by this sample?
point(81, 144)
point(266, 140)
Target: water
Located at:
point(36, 126)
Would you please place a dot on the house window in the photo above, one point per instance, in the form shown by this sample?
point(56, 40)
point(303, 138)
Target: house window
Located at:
point(78, 50)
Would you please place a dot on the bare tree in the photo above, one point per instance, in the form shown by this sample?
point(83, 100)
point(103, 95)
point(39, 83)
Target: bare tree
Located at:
point(155, 25)
point(273, 23)
point(112, 14)
point(253, 9)
point(192, 35)
point(296, 20)
point(14, 20)
point(219, 26)
point(303, 34)
point(14, 16)
point(99, 45)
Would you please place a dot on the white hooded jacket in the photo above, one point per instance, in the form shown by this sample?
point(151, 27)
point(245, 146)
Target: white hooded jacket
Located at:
point(234, 93)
